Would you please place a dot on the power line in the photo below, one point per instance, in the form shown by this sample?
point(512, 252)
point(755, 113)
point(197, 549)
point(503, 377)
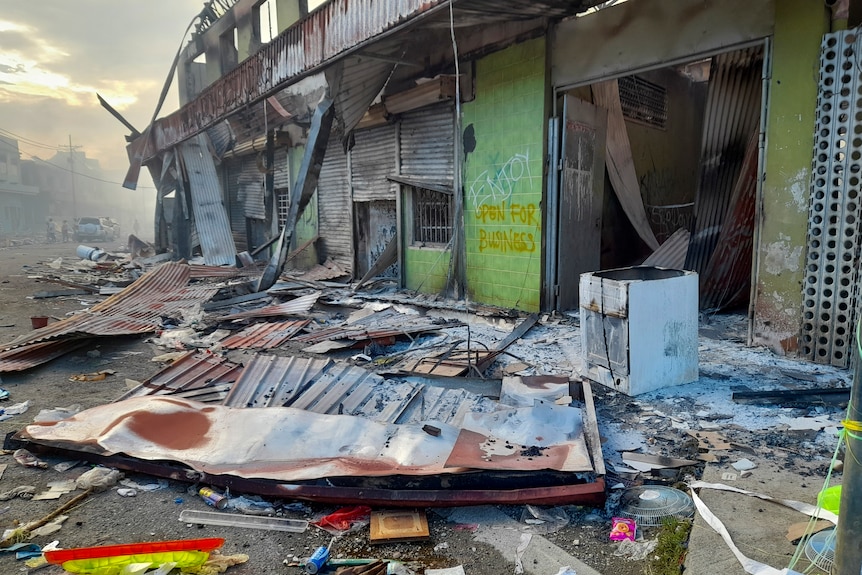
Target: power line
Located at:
point(28, 141)
point(78, 174)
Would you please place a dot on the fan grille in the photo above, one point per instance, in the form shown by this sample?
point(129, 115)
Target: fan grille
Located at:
point(649, 505)
point(820, 549)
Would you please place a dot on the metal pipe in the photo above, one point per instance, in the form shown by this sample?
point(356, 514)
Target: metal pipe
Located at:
point(848, 551)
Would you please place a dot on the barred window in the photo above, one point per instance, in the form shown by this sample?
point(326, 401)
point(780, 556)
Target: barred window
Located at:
point(432, 217)
point(283, 198)
point(643, 101)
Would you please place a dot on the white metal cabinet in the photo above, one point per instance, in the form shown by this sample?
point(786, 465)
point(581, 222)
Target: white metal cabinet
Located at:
point(639, 327)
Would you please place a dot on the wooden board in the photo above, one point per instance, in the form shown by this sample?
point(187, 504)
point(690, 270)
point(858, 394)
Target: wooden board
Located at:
point(398, 525)
point(797, 530)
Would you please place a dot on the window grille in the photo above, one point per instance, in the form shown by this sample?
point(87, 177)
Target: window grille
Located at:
point(643, 101)
point(283, 207)
point(432, 217)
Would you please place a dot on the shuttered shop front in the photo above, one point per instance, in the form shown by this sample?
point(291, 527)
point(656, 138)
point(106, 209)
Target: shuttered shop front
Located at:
point(334, 206)
point(427, 144)
point(373, 159)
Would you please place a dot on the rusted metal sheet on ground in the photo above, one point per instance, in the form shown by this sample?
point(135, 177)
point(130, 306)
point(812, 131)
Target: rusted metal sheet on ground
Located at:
point(137, 309)
point(546, 436)
point(326, 387)
point(319, 386)
point(487, 490)
point(196, 375)
point(269, 380)
point(284, 443)
point(200, 271)
point(23, 358)
point(265, 335)
point(298, 306)
point(363, 333)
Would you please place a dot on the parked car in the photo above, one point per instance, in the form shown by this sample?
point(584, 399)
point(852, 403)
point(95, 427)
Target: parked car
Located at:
point(97, 229)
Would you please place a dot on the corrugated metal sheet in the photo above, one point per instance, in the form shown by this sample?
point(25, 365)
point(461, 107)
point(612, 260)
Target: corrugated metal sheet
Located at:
point(196, 375)
point(372, 159)
point(137, 309)
point(232, 168)
point(428, 144)
point(335, 207)
point(361, 81)
point(23, 358)
point(281, 175)
point(211, 220)
point(251, 188)
point(199, 271)
point(298, 306)
point(324, 386)
point(328, 34)
point(360, 333)
point(264, 335)
point(732, 115)
point(326, 271)
point(831, 290)
point(268, 380)
point(727, 279)
point(222, 138)
point(671, 254)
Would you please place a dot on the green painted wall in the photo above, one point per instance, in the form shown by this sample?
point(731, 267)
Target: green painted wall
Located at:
point(425, 269)
point(307, 225)
point(799, 27)
point(503, 179)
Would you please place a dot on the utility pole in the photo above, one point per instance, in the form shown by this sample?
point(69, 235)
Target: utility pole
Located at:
point(848, 550)
point(72, 169)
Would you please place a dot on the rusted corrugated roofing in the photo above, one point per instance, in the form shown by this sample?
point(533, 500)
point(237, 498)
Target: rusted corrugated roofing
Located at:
point(329, 34)
point(297, 306)
point(362, 333)
point(196, 375)
point(317, 385)
point(137, 309)
point(23, 358)
point(264, 335)
point(200, 271)
point(326, 271)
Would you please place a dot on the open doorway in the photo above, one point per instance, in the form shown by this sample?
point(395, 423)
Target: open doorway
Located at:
point(660, 168)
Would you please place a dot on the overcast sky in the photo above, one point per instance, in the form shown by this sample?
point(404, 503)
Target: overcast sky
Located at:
point(56, 54)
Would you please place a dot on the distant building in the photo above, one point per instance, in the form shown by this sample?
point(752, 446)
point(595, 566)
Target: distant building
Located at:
point(19, 202)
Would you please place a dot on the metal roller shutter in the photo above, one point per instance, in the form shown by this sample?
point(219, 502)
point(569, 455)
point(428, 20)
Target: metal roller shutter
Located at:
point(373, 159)
point(335, 211)
point(427, 143)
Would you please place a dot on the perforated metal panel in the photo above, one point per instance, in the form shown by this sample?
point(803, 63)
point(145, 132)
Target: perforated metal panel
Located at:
point(830, 289)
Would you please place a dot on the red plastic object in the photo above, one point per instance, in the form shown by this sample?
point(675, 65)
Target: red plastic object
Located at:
point(62, 555)
point(342, 518)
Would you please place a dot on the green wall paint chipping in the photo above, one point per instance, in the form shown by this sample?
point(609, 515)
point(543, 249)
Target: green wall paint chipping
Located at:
point(799, 27)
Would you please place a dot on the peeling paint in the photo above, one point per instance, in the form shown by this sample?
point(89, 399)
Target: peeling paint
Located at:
point(782, 256)
point(798, 186)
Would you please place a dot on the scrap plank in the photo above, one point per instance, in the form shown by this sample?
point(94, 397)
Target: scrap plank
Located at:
point(393, 526)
